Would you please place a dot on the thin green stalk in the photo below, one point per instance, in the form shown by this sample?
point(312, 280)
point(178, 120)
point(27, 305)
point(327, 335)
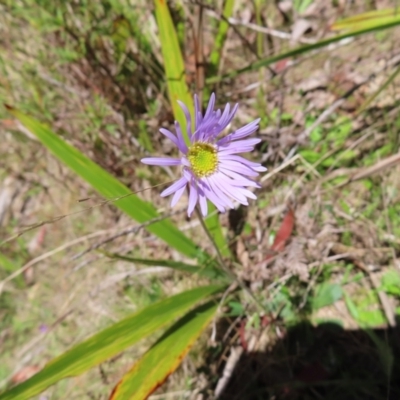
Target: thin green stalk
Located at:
point(225, 268)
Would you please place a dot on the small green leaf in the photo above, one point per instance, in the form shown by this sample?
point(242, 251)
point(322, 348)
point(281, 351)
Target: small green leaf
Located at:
point(391, 282)
point(353, 310)
point(6, 264)
point(326, 294)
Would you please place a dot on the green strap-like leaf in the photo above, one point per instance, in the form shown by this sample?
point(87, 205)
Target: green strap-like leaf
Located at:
point(110, 342)
point(173, 64)
point(304, 49)
point(165, 356)
point(208, 270)
point(369, 20)
point(108, 186)
point(215, 56)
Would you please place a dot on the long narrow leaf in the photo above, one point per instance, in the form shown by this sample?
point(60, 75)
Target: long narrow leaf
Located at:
point(215, 56)
point(173, 63)
point(151, 371)
point(369, 19)
point(302, 50)
point(107, 185)
point(208, 270)
point(110, 342)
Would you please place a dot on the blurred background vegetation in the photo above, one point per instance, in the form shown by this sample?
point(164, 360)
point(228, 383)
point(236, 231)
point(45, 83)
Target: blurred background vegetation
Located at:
point(319, 247)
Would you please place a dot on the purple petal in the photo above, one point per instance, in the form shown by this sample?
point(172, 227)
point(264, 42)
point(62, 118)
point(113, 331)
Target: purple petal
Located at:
point(188, 118)
point(203, 203)
point(169, 135)
point(235, 150)
point(177, 195)
point(174, 187)
point(162, 161)
point(185, 162)
point(254, 166)
point(193, 197)
point(181, 141)
point(248, 193)
point(237, 167)
point(241, 132)
point(210, 107)
point(236, 177)
point(197, 112)
point(211, 195)
point(188, 174)
point(238, 180)
point(226, 120)
point(214, 185)
point(230, 190)
point(238, 190)
point(240, 143)
point(235, 189)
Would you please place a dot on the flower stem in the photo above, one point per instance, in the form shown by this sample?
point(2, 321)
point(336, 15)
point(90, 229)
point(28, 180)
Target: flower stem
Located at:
point(225, 268)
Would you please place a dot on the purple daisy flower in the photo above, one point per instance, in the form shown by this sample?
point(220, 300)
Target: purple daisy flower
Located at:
point(210, 165)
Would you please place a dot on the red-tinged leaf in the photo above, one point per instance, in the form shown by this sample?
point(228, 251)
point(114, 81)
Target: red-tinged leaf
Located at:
point(152, 370)
point(285, 231)
point(281, 65)
point(25, 373)
point(242, 335)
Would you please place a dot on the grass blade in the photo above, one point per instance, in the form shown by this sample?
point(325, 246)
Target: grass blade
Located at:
point(151, 371)
point(208, 270)
point(107, 185)
point(215, 56)
point(173, 63)
point(383, 87)
point(304, 49)
point(370, 19)
point(110, 342)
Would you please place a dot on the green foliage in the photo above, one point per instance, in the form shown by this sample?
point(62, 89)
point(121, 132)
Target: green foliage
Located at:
point(365, 309)
point(326, 294)
point(215, 56)
point(164, 356)
point(383, 24)
point(390, 283)
point(174, 65)
point(208, 270)
point(301, 5)
point(110, 342)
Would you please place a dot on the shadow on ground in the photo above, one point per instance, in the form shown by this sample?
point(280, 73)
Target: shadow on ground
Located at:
point(324, 362)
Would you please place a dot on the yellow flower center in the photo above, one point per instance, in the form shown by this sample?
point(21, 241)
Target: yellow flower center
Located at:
point(203, 159)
